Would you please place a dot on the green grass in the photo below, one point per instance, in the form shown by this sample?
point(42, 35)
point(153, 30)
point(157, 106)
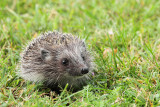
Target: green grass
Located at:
point(128, 74)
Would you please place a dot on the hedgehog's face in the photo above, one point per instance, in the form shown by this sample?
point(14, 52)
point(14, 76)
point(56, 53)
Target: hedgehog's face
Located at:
point(75, 60)
point(71, 60)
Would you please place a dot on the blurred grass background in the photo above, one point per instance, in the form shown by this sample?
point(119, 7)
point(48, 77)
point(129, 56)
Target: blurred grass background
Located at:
point(124, 36)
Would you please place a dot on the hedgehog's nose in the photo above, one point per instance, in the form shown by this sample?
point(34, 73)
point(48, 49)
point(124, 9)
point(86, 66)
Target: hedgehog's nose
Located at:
point(84, 71)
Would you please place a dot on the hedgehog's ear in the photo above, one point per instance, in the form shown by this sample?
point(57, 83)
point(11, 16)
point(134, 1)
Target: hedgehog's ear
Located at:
point(45, 54)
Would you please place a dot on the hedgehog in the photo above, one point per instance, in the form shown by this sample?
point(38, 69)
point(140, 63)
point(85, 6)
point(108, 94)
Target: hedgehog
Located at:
point(57, 59)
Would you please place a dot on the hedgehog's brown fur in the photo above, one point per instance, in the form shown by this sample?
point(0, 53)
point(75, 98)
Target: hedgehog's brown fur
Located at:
point(56, 59)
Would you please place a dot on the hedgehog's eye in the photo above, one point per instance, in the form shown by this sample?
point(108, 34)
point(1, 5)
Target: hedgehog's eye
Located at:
point(65, 62)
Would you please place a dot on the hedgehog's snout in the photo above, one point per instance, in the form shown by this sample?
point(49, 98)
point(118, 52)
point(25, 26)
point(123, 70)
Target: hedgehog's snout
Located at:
point(84, 70)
